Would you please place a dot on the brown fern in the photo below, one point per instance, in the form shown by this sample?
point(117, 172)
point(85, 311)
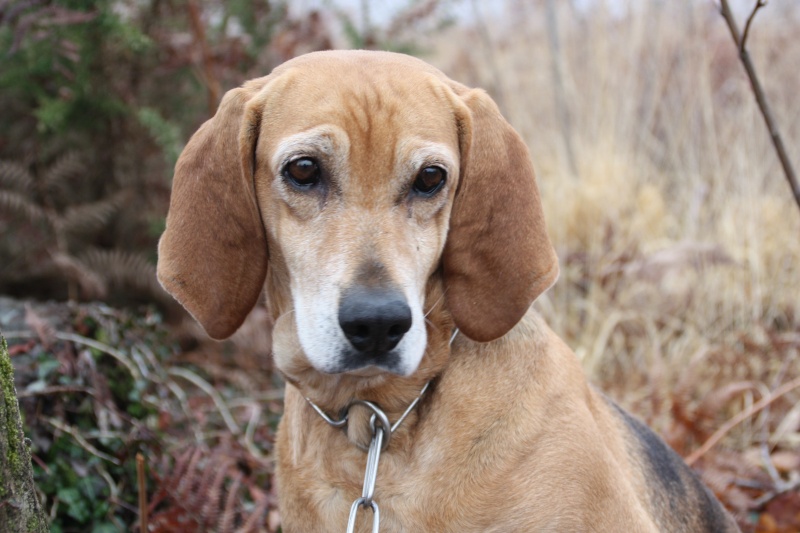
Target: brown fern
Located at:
point(53, 224)
point(15, 177)
point(84, 283)
point(126, 274)
point(18, 203)
point(60, 177)
point(90, 217)
point(202, 492)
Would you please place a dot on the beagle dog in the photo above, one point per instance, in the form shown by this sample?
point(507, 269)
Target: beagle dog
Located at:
point(392, 217)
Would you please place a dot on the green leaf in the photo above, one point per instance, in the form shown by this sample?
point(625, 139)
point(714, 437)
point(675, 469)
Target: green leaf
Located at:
point(77, 507)
point(52, 114)
point(47, 367)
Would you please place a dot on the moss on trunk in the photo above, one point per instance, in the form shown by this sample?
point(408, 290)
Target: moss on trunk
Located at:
point(20, 511)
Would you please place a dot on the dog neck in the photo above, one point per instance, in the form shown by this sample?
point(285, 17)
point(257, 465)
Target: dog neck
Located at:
point(353, 413)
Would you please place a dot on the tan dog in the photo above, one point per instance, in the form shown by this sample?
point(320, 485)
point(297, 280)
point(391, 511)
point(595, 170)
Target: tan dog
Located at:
point(386, 205)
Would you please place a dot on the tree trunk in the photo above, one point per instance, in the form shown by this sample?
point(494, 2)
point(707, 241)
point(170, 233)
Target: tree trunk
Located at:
point(20, 511)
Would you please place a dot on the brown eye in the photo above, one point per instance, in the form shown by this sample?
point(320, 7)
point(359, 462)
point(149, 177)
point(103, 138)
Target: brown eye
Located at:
point(303, 173)
point(429, 180)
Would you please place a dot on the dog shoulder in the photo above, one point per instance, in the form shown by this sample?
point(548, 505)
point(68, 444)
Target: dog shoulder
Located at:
point(679, 500)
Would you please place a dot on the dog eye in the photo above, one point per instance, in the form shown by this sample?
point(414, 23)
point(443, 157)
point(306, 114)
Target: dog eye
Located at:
point(429, 180)
point(302, 173)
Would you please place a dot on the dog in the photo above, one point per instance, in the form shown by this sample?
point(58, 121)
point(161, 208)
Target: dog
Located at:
point(392, 217)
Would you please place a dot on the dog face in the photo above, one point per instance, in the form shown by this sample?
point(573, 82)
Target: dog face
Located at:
point(361, 176)
point(355, 194)
point(359, 236)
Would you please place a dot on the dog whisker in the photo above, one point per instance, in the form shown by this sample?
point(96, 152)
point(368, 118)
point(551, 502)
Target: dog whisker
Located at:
point(431, 324)
point(437, 302)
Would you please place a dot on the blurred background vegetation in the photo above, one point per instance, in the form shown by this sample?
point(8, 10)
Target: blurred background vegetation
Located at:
point(677, 235)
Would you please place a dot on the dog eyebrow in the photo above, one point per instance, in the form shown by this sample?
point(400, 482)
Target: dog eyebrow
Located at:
point(416, 153)
point(325, 140)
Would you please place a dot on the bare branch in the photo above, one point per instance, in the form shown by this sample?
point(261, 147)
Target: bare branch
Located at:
point(761, 97)
point(213, 85)
point(759, 5)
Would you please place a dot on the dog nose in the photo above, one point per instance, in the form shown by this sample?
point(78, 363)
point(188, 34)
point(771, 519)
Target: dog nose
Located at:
point(374, 320)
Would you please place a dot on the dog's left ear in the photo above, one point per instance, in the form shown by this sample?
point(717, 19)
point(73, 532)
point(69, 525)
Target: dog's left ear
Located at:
point(213, 255)
point(498, 258)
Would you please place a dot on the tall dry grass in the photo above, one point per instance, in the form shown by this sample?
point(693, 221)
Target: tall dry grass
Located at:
point(678, 237)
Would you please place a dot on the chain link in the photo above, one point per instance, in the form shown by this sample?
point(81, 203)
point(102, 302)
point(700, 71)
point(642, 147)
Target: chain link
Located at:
point(370, 477)
point(376, 518)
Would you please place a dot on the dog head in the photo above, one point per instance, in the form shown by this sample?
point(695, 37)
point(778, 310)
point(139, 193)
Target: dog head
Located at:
point(356, 179)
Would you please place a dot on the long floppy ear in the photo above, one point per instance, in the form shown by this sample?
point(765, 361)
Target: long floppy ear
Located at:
point(213, 255)
point(498, 258)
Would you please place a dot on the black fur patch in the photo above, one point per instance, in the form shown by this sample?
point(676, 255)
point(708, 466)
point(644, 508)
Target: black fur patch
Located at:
point(674, 487)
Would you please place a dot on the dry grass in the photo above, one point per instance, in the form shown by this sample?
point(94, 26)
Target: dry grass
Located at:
point(677, 234)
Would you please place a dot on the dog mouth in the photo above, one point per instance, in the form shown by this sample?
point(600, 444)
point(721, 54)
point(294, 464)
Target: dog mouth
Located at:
point(357, 362)
point(367, 372)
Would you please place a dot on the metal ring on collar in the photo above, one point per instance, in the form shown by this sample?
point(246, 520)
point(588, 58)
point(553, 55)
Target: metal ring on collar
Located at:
point(378, 417)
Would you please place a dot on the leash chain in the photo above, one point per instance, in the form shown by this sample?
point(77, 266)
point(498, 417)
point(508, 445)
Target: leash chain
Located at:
point(382, 432)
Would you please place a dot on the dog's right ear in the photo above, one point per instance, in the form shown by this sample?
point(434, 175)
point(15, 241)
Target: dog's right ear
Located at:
point(498, 257)
point(213, 255)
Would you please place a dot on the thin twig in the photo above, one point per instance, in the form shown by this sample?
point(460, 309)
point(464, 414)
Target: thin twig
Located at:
point(142, 493)
point(206, 387)
point(99, 346)
point(85, 444)
point(744, 415)
point(766, 458)
point(213, 85)
point(249, 434)
point(759, 5)
point(761, 97)
point(783, 488)
point(184, 403)
point(85, 341)
point(53, 390)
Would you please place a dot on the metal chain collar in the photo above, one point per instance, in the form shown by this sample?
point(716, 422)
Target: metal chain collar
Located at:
point(382, 432)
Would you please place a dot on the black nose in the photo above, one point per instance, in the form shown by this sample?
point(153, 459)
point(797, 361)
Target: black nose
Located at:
point(374, 320)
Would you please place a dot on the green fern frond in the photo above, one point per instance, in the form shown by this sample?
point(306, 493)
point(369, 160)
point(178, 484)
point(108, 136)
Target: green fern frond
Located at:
point(14, 176)
point(166, 134)
point(17, 203)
